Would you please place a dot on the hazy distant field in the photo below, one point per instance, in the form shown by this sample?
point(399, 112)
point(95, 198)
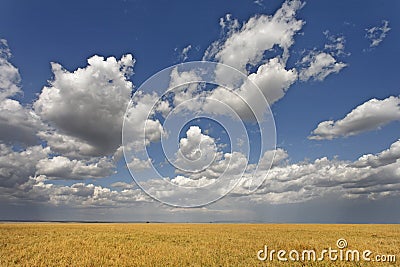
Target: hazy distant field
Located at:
point(184, 244)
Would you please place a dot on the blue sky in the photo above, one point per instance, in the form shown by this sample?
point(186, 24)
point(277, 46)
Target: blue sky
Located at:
point(355, 58)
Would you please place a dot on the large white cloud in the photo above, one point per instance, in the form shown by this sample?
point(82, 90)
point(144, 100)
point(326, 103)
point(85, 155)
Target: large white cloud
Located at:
point(199, 162)
point(88, 105)
point(244, 48)
point(259, 34)
point(273, 79)
point(17, 123)
point(259, 49)
point(84, 110)
point(199, 158)
point(196, 150)
point(370, 115)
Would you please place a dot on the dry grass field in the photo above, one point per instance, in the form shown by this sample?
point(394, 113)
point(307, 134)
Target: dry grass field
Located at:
point(71, 244)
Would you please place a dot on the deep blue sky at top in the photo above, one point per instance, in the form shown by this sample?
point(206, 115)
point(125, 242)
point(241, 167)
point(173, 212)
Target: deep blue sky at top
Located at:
point(69, 32)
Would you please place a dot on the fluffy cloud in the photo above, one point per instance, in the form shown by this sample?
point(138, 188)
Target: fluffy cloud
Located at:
point(183, 181)
point(256, 91)
point(140, 127)
point(199, 162)
point(66, 145)
point(84, 110)
point(273, 80)
point(183, 84)
point(9, 75)
point(196, 151)
point(77, 195)
point(225, 165)
point(372, 176)
point(17, 123)
point(272, 158)
point(388, 156)
point(17, 166)
point(370, 115)
point(376, 34)
point(60, 167)
point(244, 49)
point(139, 165)
point(123, 185)
point(265, 32)
point(319, 65)
point(229, 25)
point(87, 105)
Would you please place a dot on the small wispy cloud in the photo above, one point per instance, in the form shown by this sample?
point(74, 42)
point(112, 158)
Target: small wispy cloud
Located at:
point(336, 44)
point(376, 34)
point(184, 54)
point(259, 2)
point(318, 64)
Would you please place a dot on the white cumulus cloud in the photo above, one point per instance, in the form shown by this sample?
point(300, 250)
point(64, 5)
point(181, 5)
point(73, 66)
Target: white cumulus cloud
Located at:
point(17, 166)
point(60, 167)
point(370, 115)
point(319, 65)
point(88, 105)
point(371, 176)
point(388, 156)
point(17, 123)
point(259, 34)
point(196, 150)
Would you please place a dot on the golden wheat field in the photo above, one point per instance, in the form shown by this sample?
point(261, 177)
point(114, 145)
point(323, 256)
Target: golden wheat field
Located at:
point(84, 244)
